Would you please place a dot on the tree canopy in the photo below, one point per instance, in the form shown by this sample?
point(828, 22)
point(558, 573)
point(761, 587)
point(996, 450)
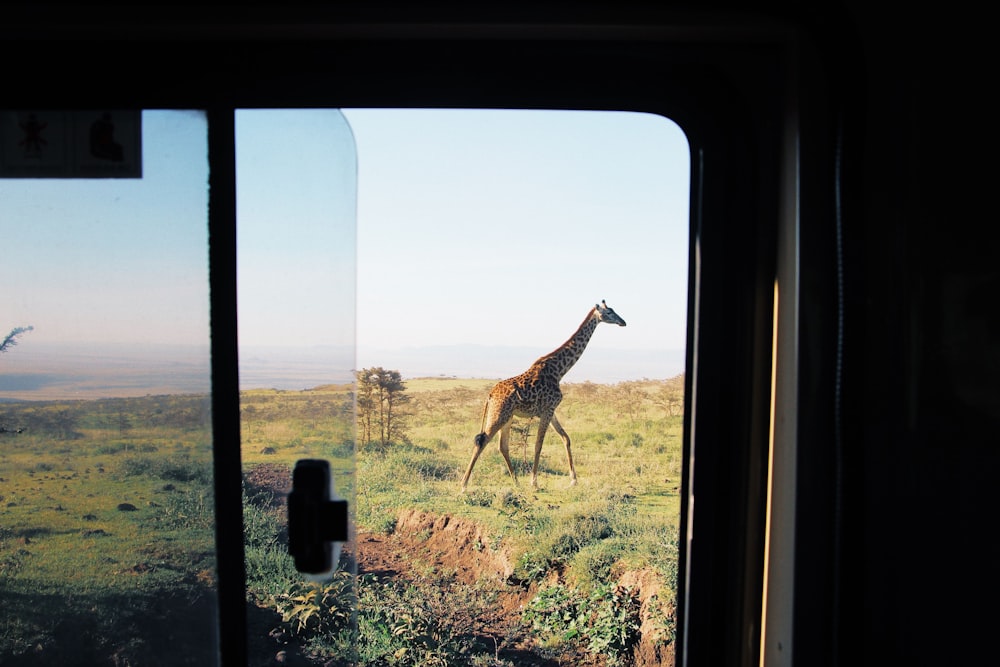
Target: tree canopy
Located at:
point(381, 393)
point(10, 340)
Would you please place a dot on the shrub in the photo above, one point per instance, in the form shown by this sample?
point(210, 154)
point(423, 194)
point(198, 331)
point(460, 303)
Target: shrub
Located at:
point(311, 608)
point(576, 532)
point(606, 622)
point(344, 450)
point(426, 465)
point(612, 626)
point(478, 498)
point(531, 566)
point(554, 614)
point(593, 563)
point(178, 468)
point(188, 510)
point(269, 568)
point(408, 625)
point(405, 625)
point(663, 620)
point(509, 499)
point(386, 525)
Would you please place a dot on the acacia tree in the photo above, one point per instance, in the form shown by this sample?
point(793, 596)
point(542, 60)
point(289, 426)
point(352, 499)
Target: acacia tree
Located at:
point(10, 340)
point(381, 395)
point(365, 403)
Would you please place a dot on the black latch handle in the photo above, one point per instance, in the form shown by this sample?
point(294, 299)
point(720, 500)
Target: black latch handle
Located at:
point(317, 523)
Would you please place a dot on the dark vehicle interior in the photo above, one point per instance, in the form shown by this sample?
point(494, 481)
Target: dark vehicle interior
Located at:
point(846, 435)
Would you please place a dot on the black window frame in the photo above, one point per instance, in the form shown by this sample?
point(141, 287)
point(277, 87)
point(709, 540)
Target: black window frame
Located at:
point(730, 84)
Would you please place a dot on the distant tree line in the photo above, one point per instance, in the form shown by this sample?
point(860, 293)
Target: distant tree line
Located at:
point(381, 395)
point(59, 421)
point(64, 420)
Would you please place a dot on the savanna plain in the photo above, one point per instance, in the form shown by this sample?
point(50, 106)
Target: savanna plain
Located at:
point(107, 539)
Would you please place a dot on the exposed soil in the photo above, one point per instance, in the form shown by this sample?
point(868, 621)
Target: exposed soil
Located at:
point(271, 478)
point(458, 550)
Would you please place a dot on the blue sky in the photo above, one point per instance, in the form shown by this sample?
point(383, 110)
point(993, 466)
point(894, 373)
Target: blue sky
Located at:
point(112, 260)
point(486, 228)
point(296, 228)
point(505, 227)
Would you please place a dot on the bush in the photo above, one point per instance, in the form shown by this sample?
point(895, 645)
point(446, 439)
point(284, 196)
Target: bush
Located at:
point(407, 625)
point(312, 608)
point(426, 464)
point(663, 619)
point(398, 624)
point(178, 468)
point(269, 568)
point(567, 536)
point(478, 498)
point(593, 563)
point(606, 622)
point(510, 499)
point(531, 566)
point(188, 510)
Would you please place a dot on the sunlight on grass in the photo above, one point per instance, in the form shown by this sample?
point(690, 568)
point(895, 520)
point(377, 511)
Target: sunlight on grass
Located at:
point(627, 449)
point(108, 528)
point(108, 506)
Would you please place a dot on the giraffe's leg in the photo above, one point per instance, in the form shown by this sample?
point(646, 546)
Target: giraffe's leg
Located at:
point(497, 414)
point(505, 450)
point(543, 426)
point(569, 452)
point(481, 441)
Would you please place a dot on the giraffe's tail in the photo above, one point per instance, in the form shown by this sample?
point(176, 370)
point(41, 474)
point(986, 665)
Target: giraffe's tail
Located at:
point(481, 438)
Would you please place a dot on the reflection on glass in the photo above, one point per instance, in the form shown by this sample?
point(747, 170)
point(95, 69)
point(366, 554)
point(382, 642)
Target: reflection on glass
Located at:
point(296, 189)
point(107, 532)
point(484, 237)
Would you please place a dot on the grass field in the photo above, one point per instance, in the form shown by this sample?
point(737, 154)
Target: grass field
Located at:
point(626, 448)
point(106, 538)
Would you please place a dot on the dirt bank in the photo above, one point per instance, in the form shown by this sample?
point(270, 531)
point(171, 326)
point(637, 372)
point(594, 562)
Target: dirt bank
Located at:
point(455, 545)
point(453, 548)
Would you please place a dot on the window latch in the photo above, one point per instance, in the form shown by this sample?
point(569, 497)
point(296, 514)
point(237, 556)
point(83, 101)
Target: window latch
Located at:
point(317, 520)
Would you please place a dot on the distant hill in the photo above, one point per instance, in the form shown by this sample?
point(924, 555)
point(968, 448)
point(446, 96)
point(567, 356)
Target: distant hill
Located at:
point(601, 365)
point(49, 371)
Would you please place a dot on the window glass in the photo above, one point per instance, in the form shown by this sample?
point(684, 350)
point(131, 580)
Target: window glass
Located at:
point(484, 240)
point(296, 242)
point(107, 532)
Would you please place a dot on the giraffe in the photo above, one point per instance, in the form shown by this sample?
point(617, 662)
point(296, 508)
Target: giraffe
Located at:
point(536, 393)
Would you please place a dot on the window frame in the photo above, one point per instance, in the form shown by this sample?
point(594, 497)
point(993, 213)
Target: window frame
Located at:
point(729, 88)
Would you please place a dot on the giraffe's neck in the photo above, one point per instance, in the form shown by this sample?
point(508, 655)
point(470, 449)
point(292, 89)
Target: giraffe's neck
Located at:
point(558, 362)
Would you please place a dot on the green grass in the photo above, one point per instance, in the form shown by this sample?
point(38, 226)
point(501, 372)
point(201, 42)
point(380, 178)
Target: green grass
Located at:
point(628, 461)
point(107, 532)
point(622, 515)
point(281, 427)
point(107, 545)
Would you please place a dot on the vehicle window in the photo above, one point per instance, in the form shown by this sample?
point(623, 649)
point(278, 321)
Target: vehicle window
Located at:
point(107, 542)
point(296, 277)
point(457, 247)
point(484, 240)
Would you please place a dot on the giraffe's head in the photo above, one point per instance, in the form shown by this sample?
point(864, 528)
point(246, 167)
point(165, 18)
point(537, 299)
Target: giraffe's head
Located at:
point(605, 314)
